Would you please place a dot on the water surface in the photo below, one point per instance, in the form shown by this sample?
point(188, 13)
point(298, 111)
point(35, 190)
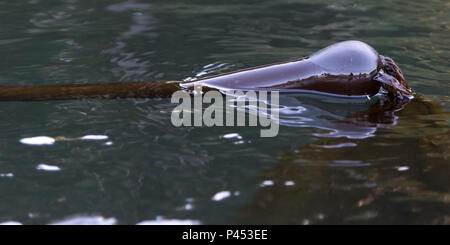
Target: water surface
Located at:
point(334, 161)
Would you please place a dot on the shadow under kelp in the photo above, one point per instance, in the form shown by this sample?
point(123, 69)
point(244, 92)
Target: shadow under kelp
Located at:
point(400, 176)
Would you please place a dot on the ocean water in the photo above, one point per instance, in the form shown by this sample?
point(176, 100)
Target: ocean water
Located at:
point(121, 161)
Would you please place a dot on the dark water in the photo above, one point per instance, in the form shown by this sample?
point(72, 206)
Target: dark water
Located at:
point(335, 161)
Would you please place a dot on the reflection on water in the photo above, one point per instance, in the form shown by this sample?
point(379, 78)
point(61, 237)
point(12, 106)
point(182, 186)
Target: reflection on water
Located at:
point(350, 118)
point(353, 118)
point(121, 162)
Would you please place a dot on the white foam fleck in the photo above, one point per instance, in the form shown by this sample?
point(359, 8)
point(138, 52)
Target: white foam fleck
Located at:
point(109, 143)
point(86, 220)
point(402, 168)
point(289, 183)
point(46, 167)
point(219, 196)
point(188, 206)
point(232, 135)
point(266, 183)
point(8, 175)
point(94, 137)
point(10, 223)
point(170, 222)
point(38, 140)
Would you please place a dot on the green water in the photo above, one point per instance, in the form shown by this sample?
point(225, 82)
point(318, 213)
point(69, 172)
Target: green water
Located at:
point(333, 162)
